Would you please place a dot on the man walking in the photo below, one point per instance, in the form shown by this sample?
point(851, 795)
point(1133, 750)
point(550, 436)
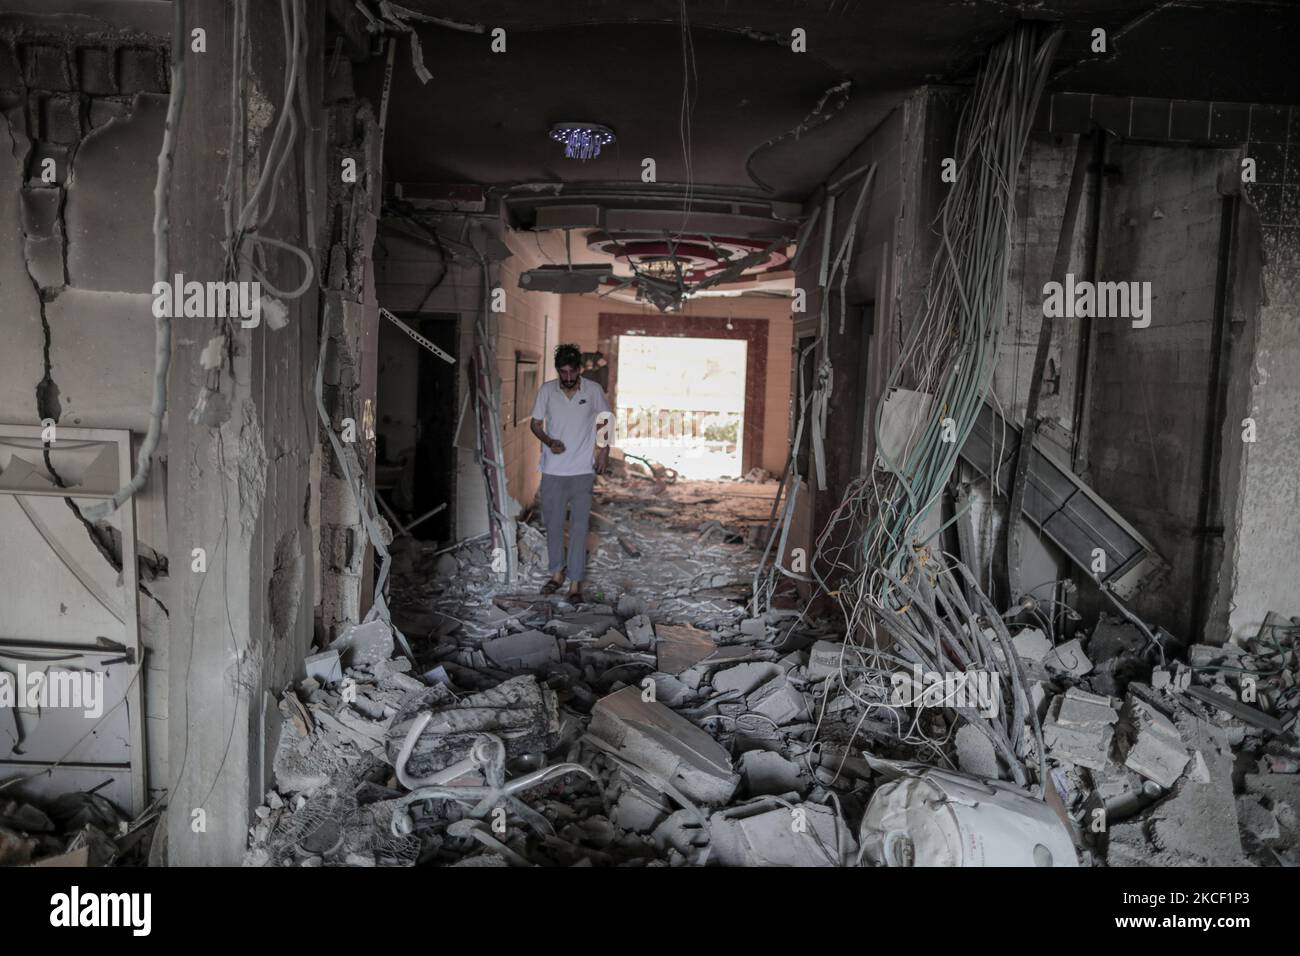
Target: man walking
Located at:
point(568, 414)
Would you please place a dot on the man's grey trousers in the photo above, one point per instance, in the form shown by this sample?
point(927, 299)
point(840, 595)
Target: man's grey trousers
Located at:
point(572, 493)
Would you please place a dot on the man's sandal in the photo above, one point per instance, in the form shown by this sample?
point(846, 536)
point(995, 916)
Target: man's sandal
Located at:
point(575, 598)
point(551, 586)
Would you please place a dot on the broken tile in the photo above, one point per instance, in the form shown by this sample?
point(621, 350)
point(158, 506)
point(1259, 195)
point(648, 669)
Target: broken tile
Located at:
point(681, 646)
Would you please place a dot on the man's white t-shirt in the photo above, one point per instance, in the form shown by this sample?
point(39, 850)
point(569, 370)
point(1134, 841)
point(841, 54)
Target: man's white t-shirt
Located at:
point(571, 420)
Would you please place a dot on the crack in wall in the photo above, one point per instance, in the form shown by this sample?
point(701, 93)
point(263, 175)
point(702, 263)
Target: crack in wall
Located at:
point(25, 149)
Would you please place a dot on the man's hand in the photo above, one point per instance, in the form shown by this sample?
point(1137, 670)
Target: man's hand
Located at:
point(602, 460)
point(556, 446)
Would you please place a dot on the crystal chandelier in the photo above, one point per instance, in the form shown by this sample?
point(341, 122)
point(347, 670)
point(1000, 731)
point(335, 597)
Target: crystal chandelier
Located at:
point(582, 141)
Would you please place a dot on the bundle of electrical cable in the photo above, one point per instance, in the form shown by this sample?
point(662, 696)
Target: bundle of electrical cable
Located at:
point(889, 578)
point(950, 351)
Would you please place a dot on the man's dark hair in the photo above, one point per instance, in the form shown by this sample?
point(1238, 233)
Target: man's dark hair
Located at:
point(568, 355)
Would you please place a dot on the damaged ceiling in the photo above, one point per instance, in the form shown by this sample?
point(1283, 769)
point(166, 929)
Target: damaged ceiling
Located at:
point(621, 65)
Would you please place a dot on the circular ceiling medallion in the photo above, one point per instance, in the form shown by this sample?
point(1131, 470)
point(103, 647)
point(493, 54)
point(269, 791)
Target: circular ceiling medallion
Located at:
point(696, 256)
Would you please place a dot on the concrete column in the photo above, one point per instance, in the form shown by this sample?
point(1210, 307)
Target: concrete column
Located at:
point(1261, 479)
point(238, 483)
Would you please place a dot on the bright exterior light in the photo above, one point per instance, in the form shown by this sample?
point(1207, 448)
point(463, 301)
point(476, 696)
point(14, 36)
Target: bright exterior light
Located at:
point(582, 141)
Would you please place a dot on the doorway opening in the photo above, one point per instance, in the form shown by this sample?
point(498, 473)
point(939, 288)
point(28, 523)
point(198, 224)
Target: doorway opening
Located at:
point(682, 402)
point(418, 404)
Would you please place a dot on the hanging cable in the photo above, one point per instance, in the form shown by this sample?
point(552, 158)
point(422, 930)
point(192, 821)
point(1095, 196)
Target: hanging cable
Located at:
point(161, 273)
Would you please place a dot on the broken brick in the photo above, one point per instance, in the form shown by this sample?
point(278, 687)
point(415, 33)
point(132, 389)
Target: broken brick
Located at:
point(95, 73)
point(103, 111)
point(10, 73)
point(41, 212)
point(60, 119)
point(46, 67)
point(139, 71)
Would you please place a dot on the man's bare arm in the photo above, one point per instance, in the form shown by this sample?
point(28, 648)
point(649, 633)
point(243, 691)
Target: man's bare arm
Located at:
point(604, 424)
point(554, 445)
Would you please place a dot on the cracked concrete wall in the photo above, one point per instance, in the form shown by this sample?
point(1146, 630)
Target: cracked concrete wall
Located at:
point(344, 587)
point(240, 482)
point(1261, 480)
point(1148, 388)
point(83, 103)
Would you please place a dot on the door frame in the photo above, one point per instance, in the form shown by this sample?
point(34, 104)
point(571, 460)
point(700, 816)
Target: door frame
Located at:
point(754, 333)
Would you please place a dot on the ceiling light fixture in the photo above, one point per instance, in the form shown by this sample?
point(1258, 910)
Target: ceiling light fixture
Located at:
point(582, 141)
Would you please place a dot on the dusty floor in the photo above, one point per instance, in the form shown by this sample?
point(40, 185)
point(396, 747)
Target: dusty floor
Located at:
point(663, 725)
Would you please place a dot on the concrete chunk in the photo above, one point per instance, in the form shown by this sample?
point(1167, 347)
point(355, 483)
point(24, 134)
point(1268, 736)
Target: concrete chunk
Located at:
point(365, 644)
point(526, 651)
point(639, 809)
point(640, 632)
point(779, 701)
point(681, 647)
point(1155, 748)
point(1083, 747)
point(1079, 729)
point(765, 833)
point(824, 660)
point(663, 746)
point(745, 677)
point(1031, 644)
point(975, 753)
point(766, 772)
point(324, 667)
point(1081, 709)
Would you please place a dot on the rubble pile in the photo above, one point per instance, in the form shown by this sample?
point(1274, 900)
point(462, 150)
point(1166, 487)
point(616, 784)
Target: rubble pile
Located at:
point(78, 829)
point(1188, 762)
point(665, 725)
